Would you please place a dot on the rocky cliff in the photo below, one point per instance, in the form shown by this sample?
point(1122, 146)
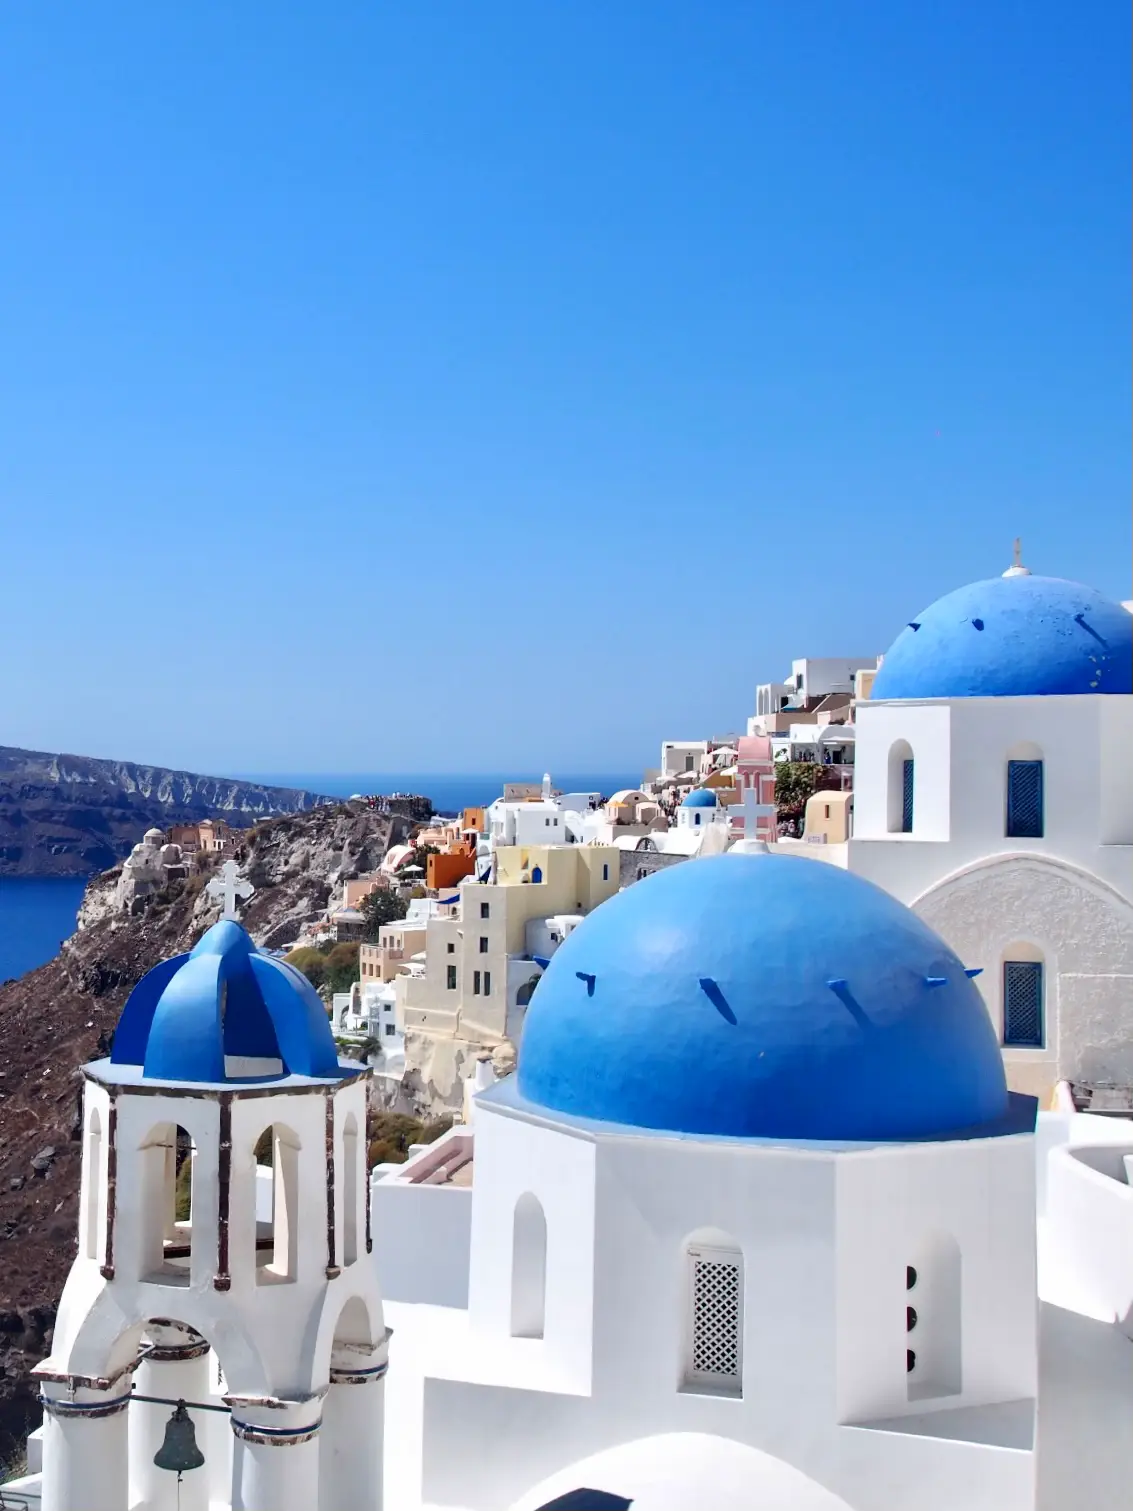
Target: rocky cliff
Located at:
point(58, 1017)
point(64, 815)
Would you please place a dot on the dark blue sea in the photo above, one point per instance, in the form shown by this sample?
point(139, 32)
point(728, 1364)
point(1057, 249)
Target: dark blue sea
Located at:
point(449, 791)
point(36, 915)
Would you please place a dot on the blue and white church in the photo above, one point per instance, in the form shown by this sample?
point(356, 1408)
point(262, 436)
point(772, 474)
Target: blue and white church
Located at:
point(993, 794)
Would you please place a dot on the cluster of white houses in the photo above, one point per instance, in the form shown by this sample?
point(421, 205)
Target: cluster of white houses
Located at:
point(786, 1203)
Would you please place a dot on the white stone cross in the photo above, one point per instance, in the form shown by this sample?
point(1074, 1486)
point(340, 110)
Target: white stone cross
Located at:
point(753, 812)
point(228, 885)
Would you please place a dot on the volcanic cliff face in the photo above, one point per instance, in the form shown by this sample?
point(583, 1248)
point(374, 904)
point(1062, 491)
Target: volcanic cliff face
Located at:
point(64, 815)
point(56, 1018)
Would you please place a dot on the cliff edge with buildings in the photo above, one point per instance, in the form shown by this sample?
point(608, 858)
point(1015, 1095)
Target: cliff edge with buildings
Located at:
point(66, 815)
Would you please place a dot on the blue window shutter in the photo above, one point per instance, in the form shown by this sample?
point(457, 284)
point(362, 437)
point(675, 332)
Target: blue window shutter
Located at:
point(1023, 1003)
point(907, 779)
point(1025, 799)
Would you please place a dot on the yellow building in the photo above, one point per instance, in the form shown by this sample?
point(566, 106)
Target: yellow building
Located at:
point(478, 973)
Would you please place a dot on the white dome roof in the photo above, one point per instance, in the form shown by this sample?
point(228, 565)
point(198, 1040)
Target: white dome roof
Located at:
point(679, 1470)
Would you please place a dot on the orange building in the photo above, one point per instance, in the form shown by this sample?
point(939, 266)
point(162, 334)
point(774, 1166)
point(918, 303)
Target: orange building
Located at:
point(450, 867)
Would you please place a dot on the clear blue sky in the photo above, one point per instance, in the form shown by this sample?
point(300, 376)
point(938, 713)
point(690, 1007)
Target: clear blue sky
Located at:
point(477, 385)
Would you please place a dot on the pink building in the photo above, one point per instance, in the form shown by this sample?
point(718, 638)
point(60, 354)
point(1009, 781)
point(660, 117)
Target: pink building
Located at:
point(755, 770)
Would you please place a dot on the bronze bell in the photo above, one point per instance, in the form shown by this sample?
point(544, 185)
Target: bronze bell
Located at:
point(179, 1451)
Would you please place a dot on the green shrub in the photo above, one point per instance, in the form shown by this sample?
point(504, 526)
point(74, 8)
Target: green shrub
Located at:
point(341, 968)
point(311, 963)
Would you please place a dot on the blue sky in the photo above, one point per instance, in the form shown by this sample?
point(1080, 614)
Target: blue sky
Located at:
point(463, 386)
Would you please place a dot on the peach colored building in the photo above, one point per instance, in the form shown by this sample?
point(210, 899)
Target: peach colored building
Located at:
point(396, 946)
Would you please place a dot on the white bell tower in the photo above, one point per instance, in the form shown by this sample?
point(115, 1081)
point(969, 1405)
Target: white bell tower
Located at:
point(223, 1255)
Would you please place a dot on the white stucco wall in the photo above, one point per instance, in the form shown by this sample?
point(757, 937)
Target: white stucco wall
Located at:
point(620, 1214)
point(1082, 929)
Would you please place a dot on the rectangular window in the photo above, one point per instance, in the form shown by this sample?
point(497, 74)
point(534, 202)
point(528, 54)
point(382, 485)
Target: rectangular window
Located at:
point(483, 944)
point(485, 910)
point(716, 1324)
point(450, 978)
point(1023, 1003)
point(390, 1030)
point(605, 873)
point(907, 797)
point(487, 983)
point(475, 983)
point(451, 948)
point(1024, 799)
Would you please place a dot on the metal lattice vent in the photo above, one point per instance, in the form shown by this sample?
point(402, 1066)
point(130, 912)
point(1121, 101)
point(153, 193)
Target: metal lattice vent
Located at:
point(1022, 1005)
point(716, 1318)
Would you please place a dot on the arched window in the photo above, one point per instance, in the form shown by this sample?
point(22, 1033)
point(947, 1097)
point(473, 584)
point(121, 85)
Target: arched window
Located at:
point(536, 873)
point(94, 1188)
point(168, 1177)
point(528, 1268)
point(351, 1190)
point(1023, 997)
point(714, 1314)
point(1024, 793)
point(933, 1319)
point(277, 1206)
point(901, 790)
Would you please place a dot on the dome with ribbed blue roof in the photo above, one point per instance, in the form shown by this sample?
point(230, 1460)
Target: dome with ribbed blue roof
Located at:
point(761, 996)
point(225, 1012)
point(1016, 636)
point(703, 797)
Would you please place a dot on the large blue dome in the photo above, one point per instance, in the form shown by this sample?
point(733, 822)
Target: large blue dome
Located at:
point(1012, 637)
point(225, 1012)
point(761, 996)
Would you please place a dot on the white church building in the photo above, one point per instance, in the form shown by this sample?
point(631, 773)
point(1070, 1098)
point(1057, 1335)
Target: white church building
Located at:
point(993, 794)
point(754, 1224)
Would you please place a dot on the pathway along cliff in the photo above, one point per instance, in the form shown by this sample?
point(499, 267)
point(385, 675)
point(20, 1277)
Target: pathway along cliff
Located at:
point(58, 1017)
point(65, 815)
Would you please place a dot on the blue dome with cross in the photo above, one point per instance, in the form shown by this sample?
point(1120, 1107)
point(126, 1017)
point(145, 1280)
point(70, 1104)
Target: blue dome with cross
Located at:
point(762, 996)
point(225, 1012)
point(1015, 636)
point(703, 797)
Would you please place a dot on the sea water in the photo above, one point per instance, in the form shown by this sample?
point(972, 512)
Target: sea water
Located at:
point(36, 914)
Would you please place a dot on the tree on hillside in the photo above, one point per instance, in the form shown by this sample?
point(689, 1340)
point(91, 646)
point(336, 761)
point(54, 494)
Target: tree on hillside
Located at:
point(795, 781)
point(341, 968)
point(311, 962)
point(382, 906)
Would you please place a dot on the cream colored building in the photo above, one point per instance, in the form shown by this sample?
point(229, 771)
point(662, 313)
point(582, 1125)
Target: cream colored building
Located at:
point(471, 992)
point(396, 946)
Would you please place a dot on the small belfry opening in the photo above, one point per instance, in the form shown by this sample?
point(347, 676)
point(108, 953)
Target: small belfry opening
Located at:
point(168, 1178)
point(901, 788)
point(528, 1268)
point(351, 1190)
point(276, 1213)
point(94, 1189)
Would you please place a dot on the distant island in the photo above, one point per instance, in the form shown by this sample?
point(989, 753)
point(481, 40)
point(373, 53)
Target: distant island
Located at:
point(68, 815)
